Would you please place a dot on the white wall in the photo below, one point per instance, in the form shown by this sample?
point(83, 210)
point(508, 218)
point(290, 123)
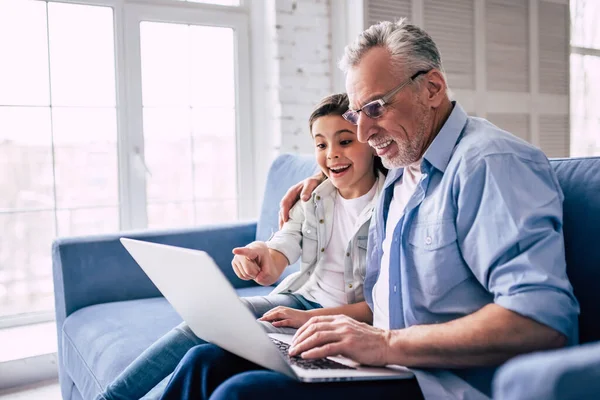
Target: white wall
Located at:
point(291, 50)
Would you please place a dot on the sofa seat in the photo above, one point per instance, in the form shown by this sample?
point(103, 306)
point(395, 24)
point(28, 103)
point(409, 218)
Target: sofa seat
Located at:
point(99, 341)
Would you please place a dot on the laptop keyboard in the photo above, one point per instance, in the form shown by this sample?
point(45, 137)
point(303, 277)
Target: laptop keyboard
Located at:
point(320, 363)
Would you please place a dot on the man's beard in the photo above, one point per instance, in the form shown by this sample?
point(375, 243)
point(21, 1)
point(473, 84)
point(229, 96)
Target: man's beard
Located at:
point(410, 151)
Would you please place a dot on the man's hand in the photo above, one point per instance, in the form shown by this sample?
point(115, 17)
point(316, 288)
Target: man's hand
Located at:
point(300, 190)
point(254, 262)
point(341, 335)
point(286, 317)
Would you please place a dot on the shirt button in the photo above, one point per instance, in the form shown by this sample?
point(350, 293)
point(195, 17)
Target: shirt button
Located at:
point(428, 240)
point(347, 254)
point(350, 286)
point(394, 288)
point(318, 197)
point(322, 250)
point(308, 231)
point(321, 221)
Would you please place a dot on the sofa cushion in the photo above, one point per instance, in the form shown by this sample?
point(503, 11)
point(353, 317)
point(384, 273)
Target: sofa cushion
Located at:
point(286, 170)
point(101, 340)
point(572, 373)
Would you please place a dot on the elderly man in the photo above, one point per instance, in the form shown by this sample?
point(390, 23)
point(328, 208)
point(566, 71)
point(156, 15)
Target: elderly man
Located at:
point(466, 263)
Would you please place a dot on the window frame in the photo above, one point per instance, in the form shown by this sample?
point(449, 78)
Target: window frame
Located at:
point(134, 214)
point(582, 51)
point(126, 35)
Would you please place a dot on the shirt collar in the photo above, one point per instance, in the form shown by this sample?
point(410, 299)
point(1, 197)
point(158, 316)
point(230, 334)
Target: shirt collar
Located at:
point(440, 150)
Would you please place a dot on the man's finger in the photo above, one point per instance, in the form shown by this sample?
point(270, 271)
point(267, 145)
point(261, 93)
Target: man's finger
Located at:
point(308, 187)
point(310, 184)
point(318, 339)
point(311, 330)
point(288, 201)
point(309, 325)
point(328, 350)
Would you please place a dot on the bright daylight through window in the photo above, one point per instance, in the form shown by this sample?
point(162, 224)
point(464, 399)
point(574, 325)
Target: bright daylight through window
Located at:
point(68, 96)
point(585, 78)
point(58, 140)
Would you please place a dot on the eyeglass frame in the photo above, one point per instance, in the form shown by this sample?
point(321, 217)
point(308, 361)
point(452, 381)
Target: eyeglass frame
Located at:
point(384, 100)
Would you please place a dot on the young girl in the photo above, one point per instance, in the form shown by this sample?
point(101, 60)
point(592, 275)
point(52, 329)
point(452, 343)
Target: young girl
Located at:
point(329, 234)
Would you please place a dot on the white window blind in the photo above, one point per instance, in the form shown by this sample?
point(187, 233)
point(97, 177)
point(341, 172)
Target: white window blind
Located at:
point(451, 25)
point(554, 141)
point(507, 45)
point(517, 124)
point(387, 10)
point(554, 48)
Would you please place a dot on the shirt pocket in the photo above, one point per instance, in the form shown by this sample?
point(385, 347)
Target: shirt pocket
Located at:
point(309, 243)
point(361, 246)
point(437, 265)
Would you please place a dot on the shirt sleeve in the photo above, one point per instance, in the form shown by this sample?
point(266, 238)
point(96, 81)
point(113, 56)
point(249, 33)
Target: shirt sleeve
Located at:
point(288, 240)
point(509, 226)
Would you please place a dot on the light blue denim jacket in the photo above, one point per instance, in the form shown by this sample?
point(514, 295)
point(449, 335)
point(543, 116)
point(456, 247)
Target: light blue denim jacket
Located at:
point(307, 234)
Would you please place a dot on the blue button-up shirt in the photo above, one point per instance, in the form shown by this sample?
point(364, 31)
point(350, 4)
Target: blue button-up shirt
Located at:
point(483, 226)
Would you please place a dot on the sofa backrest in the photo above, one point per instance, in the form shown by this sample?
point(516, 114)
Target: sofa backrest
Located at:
point(580, 182)
point(286, 170)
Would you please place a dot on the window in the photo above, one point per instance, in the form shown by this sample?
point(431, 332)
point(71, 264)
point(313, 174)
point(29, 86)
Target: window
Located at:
point(116, 116)
point(585, 78)
point(58, 140)
point(189, 120)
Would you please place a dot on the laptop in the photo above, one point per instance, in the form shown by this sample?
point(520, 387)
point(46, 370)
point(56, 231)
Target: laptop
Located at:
point(199, 291)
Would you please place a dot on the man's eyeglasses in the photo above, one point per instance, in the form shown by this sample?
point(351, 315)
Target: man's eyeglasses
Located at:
point(376, 108)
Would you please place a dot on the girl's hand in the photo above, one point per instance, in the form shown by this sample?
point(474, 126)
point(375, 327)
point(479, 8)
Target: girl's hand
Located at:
point(254, 262)
point(286, 317)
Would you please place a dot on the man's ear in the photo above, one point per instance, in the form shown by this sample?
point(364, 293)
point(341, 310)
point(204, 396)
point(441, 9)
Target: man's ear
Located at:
point(436, 88)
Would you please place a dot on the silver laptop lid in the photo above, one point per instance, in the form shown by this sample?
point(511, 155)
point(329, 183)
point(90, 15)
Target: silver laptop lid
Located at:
point(197, 289)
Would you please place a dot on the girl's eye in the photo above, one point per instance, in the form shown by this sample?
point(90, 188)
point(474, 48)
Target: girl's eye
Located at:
point(345, 142)
point(320, 145)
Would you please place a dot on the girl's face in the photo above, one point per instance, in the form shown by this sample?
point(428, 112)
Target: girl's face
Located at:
point(345, 160)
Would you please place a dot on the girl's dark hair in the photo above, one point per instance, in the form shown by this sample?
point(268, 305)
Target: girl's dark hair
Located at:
point(337, 104)
point(334, 104)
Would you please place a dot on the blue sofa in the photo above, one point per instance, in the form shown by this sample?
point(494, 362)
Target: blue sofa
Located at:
point(108, 311)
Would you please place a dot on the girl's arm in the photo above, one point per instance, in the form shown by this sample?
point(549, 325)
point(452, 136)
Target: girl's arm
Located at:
point(358, 311)
point(289, 317)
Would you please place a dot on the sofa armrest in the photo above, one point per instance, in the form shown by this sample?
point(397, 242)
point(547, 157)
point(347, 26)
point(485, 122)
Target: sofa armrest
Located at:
point(564, 374)
point(97, 269)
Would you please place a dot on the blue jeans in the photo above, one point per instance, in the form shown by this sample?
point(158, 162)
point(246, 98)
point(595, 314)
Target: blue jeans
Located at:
point(147, 376)
point(209, 372)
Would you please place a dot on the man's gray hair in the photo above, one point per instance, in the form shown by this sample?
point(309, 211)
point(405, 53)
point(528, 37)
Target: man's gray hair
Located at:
point(411, 48)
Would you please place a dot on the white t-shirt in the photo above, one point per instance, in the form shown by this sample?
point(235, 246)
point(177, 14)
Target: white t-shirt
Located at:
point(326, 285)
point(403, 191)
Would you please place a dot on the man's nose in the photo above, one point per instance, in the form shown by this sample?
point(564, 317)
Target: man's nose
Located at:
point(364, 128)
